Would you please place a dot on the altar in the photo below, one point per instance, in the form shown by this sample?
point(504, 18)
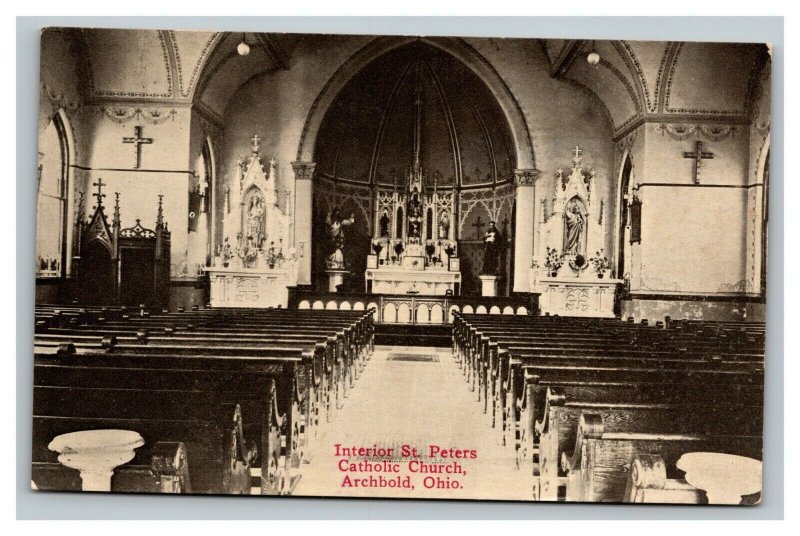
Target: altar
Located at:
point(415, 247)
point(401, 281)
point(577, 297)
point(254, 269)
point(241, 287)
point(570, 270)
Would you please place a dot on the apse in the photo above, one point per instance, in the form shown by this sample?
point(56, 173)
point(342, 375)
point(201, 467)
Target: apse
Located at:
point(416, 101)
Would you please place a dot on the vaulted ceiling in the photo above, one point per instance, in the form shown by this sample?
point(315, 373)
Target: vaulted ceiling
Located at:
point(634, 79)
point(198, 67)
point(661, 79)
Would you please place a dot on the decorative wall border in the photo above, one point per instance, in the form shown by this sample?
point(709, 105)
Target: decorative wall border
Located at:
point(683, 131)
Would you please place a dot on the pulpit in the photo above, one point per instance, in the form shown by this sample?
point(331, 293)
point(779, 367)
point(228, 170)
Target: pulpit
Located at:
point(254, 270)
point(570, 270)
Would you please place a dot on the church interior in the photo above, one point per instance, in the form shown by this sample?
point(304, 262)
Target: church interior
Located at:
point(550, 253)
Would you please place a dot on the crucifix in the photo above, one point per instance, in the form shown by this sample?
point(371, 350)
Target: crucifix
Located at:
point(479, 225)
point(254, 143)
point(577, 157)
point(99, 195)
point(698, 156)
point(137, 140)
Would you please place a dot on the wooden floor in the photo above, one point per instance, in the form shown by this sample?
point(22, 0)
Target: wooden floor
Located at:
point(402, 397)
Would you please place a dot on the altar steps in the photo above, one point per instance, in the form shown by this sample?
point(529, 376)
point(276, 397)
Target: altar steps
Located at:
point(414, 335)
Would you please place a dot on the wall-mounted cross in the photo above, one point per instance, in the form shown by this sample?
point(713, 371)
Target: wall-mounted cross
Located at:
point(698, 156)
point(137, 140)
point(254, 142)
point(479, 225)
point(99, 195)
point(578, 152)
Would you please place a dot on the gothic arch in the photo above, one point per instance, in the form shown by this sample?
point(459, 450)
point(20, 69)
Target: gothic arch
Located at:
point(624, 183)
point(453, 46)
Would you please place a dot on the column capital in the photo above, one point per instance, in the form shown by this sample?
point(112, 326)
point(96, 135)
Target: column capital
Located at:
point(303, 170)
point(525, 177)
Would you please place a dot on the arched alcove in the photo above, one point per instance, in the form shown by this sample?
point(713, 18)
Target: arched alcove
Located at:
point(415, 100)
point(54, 199)
point(624, 187)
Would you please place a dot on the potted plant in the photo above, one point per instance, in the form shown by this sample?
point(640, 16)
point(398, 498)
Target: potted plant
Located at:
point(553, 261)
point(601, 264)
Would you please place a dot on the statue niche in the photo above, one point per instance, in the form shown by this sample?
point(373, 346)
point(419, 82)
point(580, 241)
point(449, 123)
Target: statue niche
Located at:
point(575, 227)
point(257, 267)
point(255, 224)
point(570, 269)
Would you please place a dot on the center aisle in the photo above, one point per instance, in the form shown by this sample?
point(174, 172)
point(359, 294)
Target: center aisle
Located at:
point(414, 396)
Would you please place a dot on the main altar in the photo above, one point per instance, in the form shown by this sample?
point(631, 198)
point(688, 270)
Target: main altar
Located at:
point(569, 268)
point(414, 247)
point(259, 267)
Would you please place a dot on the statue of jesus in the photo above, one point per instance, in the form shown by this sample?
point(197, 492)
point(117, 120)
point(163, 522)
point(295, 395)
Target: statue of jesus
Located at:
point(573, 237)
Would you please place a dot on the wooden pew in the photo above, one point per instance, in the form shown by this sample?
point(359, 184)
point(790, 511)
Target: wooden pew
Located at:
point(598, 469)
point(208, 426)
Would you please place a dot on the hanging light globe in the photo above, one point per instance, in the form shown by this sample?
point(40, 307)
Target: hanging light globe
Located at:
point(243, 48)
point(593, 58)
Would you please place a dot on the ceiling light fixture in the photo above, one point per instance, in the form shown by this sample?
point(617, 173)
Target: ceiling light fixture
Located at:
point(593, 58)
point(243, 48)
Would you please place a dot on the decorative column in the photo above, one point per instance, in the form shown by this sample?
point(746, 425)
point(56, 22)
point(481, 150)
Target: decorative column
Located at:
point(524, 179)
point(303, 199)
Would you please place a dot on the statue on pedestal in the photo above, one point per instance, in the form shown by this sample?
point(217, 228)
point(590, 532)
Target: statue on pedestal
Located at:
point(255, 222)
point(491, 250)
point(444, 225)
point(335, 229)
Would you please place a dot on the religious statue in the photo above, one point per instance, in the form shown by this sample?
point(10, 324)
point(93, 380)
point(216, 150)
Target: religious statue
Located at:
point(490, 251)
point(444, 225)
point(335, 228)
point(573, 235)
point(384, 225)
point(414, 216)
point(255, 222)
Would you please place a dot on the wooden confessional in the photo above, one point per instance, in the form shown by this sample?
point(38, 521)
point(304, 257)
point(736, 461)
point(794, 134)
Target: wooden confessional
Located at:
point(117, 266)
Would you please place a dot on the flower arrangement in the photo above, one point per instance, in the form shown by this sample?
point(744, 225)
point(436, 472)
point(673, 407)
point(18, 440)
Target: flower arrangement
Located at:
point(226, 252)
point(553, 260)
point(601, 263)
point(534, 264)
point(398, 248)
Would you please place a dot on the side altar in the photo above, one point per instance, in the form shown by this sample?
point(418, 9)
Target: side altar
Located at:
point(570, 280)
point(414, 247)
point(256, 270)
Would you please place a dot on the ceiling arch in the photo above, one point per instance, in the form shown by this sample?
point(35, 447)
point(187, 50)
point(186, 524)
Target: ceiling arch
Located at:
point(454, 47)
point(663, 81)
point(635, 80)
point(416, 93)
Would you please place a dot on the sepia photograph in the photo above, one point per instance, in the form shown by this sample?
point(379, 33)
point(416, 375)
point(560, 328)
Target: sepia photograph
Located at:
point(401, 266)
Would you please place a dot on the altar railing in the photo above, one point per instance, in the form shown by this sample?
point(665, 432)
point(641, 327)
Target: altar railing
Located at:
point(414, 308)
